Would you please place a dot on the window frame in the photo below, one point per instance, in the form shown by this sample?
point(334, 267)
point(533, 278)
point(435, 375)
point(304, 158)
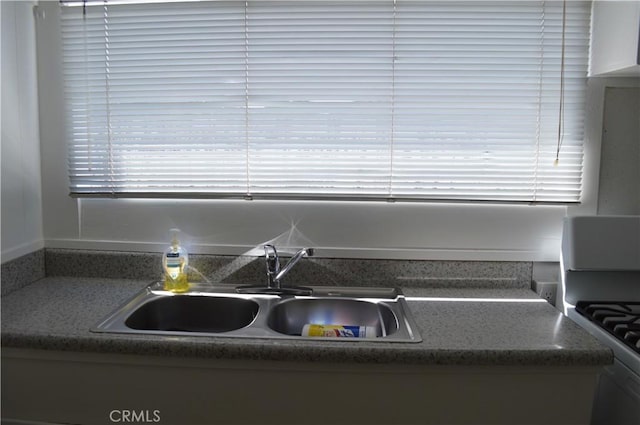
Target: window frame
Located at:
point(141, 225)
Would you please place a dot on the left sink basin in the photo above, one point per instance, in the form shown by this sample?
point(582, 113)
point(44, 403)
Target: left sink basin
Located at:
point(193, 314)
point(201, 311)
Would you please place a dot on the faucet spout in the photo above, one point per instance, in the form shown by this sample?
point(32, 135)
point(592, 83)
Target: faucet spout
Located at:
point(304, 252)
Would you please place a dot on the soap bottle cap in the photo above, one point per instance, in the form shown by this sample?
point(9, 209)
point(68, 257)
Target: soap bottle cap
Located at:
point(174, 237)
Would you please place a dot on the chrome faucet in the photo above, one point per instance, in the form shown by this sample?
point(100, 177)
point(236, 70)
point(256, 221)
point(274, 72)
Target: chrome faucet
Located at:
point(275, 274)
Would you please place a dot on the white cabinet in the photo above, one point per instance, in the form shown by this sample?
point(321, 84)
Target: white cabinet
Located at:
point(615, 38)
point(97, 389)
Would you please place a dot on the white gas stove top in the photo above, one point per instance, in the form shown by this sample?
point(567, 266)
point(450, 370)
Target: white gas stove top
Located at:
point(601, 293)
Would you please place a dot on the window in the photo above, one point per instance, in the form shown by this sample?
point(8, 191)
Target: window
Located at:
point(315, 99)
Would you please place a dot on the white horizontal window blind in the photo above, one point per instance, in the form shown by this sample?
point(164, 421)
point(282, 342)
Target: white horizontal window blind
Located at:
point(353, 99)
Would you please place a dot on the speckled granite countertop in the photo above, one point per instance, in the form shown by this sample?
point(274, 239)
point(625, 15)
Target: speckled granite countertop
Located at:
point(55, 313)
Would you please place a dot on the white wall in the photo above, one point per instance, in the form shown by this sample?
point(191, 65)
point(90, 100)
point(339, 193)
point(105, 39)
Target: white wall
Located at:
point(337, 229)
point(373, 230)
point(21, 189)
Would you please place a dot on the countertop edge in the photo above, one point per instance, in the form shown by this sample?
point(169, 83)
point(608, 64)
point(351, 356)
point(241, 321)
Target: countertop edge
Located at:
point(355, 352)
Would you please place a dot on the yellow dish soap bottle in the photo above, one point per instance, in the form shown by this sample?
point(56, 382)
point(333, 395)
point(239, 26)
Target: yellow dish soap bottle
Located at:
point(174, 262)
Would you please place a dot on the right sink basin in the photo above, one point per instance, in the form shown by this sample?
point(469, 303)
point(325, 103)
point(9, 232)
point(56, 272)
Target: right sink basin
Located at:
point(290, 316)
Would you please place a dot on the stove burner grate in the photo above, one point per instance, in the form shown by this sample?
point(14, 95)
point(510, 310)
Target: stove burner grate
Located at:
point(620, 319)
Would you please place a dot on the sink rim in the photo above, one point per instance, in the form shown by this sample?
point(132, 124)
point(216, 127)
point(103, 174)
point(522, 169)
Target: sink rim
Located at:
point(392, 298)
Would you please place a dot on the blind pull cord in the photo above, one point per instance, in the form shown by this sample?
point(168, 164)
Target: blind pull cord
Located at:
point(561, 102)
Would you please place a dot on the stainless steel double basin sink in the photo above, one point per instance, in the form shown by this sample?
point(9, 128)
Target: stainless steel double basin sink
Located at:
point(220, 311)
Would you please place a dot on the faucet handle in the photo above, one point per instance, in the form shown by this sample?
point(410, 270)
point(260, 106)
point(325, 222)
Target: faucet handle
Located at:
point(272, 259)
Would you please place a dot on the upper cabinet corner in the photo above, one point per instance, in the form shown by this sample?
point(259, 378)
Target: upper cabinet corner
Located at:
point(615, 38)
